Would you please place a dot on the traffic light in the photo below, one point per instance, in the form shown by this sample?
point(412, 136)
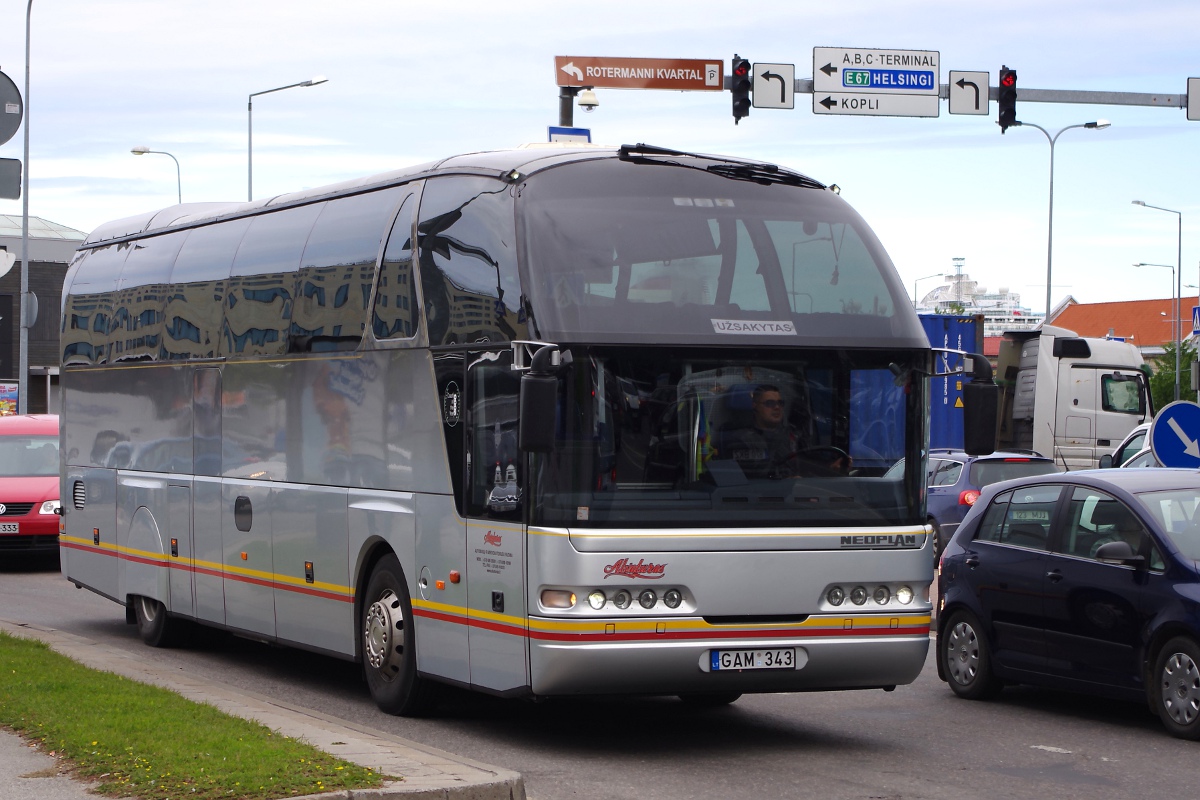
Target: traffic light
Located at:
point(740, 87)
point(1008, 99)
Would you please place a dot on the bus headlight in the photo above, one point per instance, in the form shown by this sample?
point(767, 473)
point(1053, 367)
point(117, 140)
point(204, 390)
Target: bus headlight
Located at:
point(858, 595)
point(647, 598)
point(836, 596)
point(672, 597)
point(904, 594)
point(622, 599)
point(558, 598)
point(597, 599)
point(882, 595)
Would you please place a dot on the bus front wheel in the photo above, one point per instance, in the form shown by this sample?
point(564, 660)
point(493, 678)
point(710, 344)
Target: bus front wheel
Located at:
point(389, 643)
point(156, 628)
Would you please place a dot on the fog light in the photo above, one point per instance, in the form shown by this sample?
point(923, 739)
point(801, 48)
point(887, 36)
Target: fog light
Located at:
point(836, 596)
point(904, 594)
point(597, 599)
point(647, 598)
point(858, 595)
point(558, 598)
point(672, 598)
point(882, 595)
point(622, 599)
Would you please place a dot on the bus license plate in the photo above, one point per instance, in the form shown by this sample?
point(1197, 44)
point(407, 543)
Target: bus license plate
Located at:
point(779, 658)
point(10, 527)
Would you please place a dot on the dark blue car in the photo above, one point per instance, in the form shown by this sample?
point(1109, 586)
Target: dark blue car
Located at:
point(1085, 581)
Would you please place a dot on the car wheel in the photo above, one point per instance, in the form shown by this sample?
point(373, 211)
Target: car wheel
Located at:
point(710, 700)
point(1177, 687)
point(389, 644)
point(155, 626)
point(966, 658)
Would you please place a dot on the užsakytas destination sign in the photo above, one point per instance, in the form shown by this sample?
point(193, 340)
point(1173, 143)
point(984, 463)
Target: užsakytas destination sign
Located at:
point(679, 74)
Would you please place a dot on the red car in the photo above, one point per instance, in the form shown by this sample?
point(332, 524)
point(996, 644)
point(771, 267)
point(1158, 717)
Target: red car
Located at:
point(29, 484)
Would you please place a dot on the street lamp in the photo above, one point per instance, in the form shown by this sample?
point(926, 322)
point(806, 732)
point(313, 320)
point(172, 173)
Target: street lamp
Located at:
point(250, 127)
point(918, 280)
point(142, 150)
point(23, 348)
point(1178, 277)
point(1175, 333)
point(1099, 124)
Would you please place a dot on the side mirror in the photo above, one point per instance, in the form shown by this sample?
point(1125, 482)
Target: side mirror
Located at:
point(1106, 461)
point(1119, 552)
point(981, 404)
point(538, 402)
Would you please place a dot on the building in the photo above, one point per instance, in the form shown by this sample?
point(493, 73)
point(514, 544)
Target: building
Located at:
point(1144, 323)
point(51, 248)
point(1002, 310)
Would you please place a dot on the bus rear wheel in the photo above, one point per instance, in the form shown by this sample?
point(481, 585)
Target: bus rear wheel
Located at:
point(389, 643)
point(155, 626)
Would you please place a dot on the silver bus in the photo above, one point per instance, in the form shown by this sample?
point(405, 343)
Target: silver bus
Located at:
point(539, 422)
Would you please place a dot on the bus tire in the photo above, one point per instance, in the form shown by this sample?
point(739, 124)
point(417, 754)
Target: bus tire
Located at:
point(155, 626)
point(389, 643)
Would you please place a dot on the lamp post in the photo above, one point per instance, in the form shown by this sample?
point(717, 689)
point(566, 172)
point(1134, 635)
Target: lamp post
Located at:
point(23, 358)
point(250, 127)
point(1099, 124)
point(918, 280)
point(1178, 277)
point(1175, 333)
point(142, 150)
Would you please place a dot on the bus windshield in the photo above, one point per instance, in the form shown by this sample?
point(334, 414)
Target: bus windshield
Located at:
point(657, 438)
point(624, 252)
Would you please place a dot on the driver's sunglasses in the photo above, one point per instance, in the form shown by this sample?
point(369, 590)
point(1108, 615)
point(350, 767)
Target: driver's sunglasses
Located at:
point(771, 403)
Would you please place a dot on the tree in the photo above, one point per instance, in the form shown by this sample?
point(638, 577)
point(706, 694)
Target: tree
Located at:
point(1162, 382)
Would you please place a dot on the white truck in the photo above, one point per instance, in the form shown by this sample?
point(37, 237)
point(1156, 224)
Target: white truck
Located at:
point(1067, 396)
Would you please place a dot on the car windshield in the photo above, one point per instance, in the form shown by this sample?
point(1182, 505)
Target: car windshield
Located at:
point(22, 456)
point(1178, 512)
point(989, 471)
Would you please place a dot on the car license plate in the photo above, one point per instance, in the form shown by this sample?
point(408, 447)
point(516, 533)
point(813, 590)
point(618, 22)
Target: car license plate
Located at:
point(10, 527)
point(778, 658)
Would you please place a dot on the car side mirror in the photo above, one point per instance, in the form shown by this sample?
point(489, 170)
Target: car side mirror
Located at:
point(1119, 552)
point(1106, 461)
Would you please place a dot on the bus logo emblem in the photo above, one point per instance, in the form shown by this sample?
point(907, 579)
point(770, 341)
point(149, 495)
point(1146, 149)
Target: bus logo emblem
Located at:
point(624, 568)
point(451, 408)
point(492, 538)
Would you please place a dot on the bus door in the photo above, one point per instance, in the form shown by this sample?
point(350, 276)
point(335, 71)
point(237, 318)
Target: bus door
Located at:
point(494, 495)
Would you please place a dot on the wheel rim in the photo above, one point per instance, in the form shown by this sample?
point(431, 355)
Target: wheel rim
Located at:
point(148, 608)
point(962, 653)
point(1181, 688)
point(383, 635)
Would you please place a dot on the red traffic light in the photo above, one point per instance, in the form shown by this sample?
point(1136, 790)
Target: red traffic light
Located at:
point(1008, 78)
point(741, 68)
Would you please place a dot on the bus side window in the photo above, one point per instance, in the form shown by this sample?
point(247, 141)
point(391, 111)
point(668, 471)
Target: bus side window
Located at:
point(88, 306)
point(141, 296)
point(258, 308)
point(194, 311)
point(466, 240)
point(395, 312)
point(333, 286)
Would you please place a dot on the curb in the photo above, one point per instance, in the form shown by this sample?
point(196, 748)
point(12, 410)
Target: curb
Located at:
point(427, 773)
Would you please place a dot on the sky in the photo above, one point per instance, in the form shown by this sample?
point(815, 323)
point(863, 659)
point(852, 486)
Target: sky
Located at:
point(412, 82)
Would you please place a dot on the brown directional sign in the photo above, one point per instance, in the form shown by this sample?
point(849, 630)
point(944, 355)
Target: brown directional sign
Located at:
point(680, 74)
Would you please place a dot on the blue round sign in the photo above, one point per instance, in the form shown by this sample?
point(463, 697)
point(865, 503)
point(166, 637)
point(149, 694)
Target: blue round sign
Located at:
point(1175, 435)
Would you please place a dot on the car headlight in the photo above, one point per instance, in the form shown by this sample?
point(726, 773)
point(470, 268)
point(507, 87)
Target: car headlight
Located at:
point(50, 507)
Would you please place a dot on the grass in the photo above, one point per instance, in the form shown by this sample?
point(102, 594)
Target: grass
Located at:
point(141, 741)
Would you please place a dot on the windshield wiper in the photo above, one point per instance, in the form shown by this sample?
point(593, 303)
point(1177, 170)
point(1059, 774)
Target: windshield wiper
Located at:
point(733, 168)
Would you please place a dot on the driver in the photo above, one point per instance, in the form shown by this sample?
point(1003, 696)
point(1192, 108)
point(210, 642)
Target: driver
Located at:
point(766, 449)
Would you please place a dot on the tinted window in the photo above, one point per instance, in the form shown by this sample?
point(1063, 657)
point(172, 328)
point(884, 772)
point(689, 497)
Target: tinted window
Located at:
point(986, 472)
point(468, 256)
point(1021, 517)
point(1122, 395)
point(1094, 519)
point(141, 296)
point(194, 312)
point(333, 286)
point(395, 313)
point(258, 307)
point(87, 312)
point(944, 473)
